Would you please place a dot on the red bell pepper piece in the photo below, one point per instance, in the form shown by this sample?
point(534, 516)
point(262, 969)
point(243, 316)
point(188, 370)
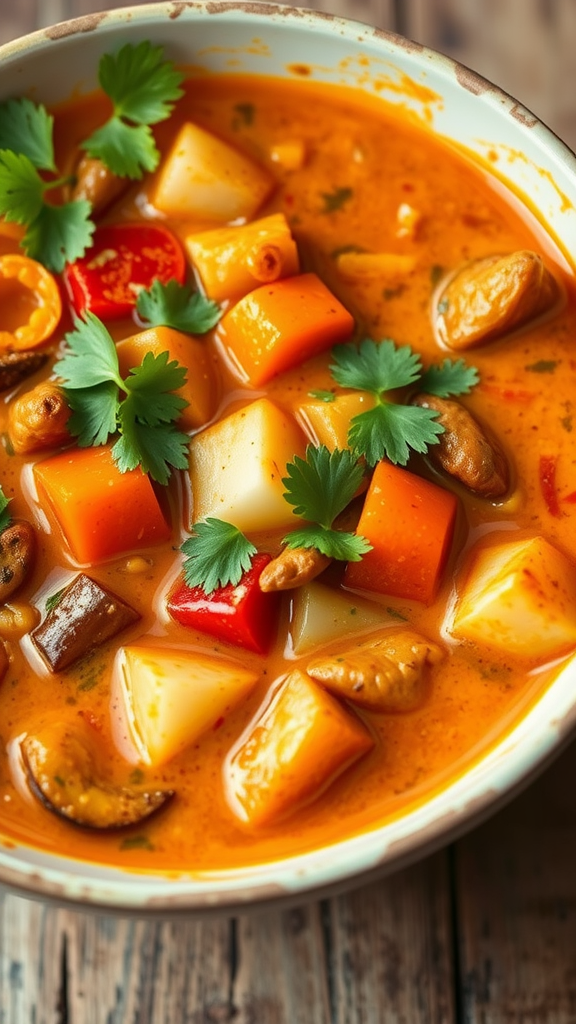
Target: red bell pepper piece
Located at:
point(242, 615)
point(123, 259)
point(548, 484)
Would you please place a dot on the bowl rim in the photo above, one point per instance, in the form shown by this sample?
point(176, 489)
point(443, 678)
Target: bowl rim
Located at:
point(516, 757)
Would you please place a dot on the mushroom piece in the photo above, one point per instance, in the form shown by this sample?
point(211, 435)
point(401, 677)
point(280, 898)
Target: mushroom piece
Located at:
point(466, 450)
point(292, 568)
point(38, 419)
point(17, 555)
point(61, 767)
point(492, 296)
point(388, 674)
point(97, 183)
point(16, 366)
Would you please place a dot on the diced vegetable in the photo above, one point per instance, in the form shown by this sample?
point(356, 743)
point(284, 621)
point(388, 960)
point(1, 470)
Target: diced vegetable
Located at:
point(101, 511)
point(234, 261)
point(171, 696)
point(17, 557)
point(280, 325)
point(85, 615)
point(292, 751)
point(204, 177)
point(328, 422)
point(123, 259)
point(410, 524)
point(321, 614)
point(240, 614)
point(61, 765)
point(200, 389)
point(16, 366)
point(30, 303)
point(388, 674)
point(519, 596)
point(237, 465)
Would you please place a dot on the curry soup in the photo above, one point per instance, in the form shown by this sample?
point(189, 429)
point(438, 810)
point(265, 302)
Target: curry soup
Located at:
point(150, 720)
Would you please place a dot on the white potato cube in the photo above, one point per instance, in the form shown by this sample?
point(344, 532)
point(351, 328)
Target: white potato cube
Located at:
point(204, 177)
point(520, 596)
point(321, 614)
point(171, 697)
point(237, 465)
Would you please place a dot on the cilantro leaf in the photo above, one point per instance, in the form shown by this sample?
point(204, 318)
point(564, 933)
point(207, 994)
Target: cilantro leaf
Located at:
point(175, 305)
point(94, 413)
point(375, 366)
point(21, 188)
point(346, 547)
point(59, 234)
point(390, 430)
point(26, 129)
point(156, 449)
point(5, 516)
point(217, 553)
point(323, 484)
point(150, 389)
point(321, 395)
point(127, 149)
point(335, 200)
point(451, 378)
point(91, 357)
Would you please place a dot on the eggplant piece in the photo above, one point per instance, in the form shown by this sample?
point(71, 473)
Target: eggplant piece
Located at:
point(62, 771)
point(17, 555)
point(16, 366)
point(86, 615)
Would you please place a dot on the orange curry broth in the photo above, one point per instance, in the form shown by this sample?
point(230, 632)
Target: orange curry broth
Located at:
point(475, 695)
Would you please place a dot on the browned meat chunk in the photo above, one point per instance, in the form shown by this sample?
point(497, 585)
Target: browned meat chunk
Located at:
point(292, 568)
point(17, 554)
point(492, 296)
point(61, 767)
point(466, 450)
point(38, 419)
point(97, 183)
point(16, 366)
point(86, 615)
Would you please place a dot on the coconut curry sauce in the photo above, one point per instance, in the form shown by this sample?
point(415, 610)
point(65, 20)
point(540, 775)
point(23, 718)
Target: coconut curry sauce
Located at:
point(162, 744)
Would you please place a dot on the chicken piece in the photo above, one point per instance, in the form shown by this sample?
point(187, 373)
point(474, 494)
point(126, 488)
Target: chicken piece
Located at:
point(466, 450)
point(97, 183)
point(493, 296)
point(292, 568)
point(38, 419)
point(16, 366)
point(17, 555)
point(388, 674)
point(60, 761)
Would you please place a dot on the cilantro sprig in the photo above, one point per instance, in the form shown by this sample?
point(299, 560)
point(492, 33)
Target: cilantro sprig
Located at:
point(143, 88)
point(217, 553)
point(320, 486)
point(55, 234)
point(142, 408)
point(5, 517)
point(176, 305)
point(392, 430)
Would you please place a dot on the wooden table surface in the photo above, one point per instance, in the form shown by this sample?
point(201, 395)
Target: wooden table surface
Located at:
point(483, 932)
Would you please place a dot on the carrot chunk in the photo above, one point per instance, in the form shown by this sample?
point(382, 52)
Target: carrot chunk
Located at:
point(101, 511)
point(280, 325)
point(410, 524)
point(303, 740)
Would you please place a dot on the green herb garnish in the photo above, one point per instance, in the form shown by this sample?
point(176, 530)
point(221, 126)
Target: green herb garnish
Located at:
point(246, 112)
point(175, 305)
point(320, 487)
point(321, 395)
point(5, 516)
point(335, 200)
point(542, 366)
point(143, 88)
point(145, 415)
point(53, 600)
point(451, 378)
point(136, 843)
point(217, 553)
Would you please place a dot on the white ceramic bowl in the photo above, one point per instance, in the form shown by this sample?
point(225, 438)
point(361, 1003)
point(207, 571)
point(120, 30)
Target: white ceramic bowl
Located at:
point(49, 65)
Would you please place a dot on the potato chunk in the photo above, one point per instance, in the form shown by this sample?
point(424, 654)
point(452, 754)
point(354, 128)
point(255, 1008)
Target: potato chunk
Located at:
point(301, 742)
point(519, 596)
point(204, 177)
point(237, 466)
point(321, 614)
point(172, 696)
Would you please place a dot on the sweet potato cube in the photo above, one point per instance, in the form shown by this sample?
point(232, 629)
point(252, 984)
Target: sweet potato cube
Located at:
point(200, 389)
point(237, 465)
point(410, 524)
point(101, 511)
point(520, 597)
point(329, 422)
point(206, 178)
point(232, 261)
point(281, 324)
point(293, 750)
point(170, 697)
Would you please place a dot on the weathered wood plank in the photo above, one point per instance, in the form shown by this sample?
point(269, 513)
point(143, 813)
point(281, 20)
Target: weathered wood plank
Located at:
point(516, 903)
point(31, 954)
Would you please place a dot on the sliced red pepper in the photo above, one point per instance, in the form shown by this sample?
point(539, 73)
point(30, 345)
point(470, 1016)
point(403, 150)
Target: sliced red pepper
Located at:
point(123, 259)
point(548, 484)
point(570, 498)
point(242, 615)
